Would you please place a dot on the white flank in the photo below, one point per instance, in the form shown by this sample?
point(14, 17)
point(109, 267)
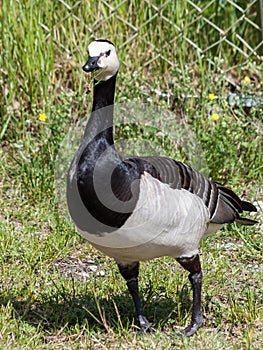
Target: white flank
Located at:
point(165, 221)
point(212, 228)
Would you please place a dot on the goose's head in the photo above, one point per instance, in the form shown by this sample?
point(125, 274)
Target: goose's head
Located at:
point(103, 59)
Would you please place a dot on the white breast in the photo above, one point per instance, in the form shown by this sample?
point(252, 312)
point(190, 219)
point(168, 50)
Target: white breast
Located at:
point(165, 221)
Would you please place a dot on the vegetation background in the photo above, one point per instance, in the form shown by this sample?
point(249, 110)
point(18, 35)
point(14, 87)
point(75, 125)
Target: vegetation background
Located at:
point(56, 290)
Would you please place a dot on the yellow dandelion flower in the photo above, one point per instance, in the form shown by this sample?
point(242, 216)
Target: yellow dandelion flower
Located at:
point(42, 117)
point(215, 116)
point(246, 80)
point(211, 97)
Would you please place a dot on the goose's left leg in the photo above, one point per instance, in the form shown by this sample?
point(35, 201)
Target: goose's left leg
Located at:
point(130, 272)
point(193, 265)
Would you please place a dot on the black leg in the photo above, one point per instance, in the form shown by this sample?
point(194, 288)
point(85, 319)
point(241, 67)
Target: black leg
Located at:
point(130, 272)
point(193, 265)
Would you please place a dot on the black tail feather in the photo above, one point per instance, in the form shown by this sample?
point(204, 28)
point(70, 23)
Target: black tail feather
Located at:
point(245, 221)
point(247, 206)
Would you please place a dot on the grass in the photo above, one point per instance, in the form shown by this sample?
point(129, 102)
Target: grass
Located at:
point(56, 290)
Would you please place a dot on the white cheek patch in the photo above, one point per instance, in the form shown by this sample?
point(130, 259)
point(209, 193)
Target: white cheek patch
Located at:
point(101, 62)
point(108, 63)
point(96, 48)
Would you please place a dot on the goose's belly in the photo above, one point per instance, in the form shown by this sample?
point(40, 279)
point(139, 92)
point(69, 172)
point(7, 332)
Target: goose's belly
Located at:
point(165, 221)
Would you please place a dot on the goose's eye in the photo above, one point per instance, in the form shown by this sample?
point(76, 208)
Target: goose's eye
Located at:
point(107, 53)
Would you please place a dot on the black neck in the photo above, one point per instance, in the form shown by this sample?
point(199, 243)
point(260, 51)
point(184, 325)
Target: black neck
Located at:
point(103, 93)
point(101, 119)
point(100, 167)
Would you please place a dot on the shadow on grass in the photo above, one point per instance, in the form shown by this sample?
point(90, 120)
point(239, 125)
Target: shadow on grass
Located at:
point(114, 313)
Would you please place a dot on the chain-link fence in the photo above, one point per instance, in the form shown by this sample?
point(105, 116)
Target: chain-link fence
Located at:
point(165, 30)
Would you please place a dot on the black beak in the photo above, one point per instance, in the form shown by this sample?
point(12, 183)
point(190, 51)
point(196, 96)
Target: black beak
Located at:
point(91, 64)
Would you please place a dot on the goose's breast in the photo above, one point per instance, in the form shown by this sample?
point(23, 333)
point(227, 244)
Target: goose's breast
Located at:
point(165, 221)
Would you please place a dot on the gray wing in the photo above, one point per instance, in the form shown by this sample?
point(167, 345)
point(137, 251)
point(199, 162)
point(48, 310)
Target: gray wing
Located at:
point(223, 204)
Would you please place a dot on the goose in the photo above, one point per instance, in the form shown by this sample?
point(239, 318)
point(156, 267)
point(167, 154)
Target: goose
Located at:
point(140, 208)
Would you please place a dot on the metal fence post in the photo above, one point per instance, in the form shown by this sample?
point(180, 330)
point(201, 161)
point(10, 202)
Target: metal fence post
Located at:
point(260, 23)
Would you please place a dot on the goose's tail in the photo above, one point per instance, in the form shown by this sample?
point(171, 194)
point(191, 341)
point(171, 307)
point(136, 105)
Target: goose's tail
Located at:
point(246, 206)
point(230, 206)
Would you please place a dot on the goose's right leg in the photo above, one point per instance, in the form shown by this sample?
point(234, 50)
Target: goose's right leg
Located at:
point(130, 272)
